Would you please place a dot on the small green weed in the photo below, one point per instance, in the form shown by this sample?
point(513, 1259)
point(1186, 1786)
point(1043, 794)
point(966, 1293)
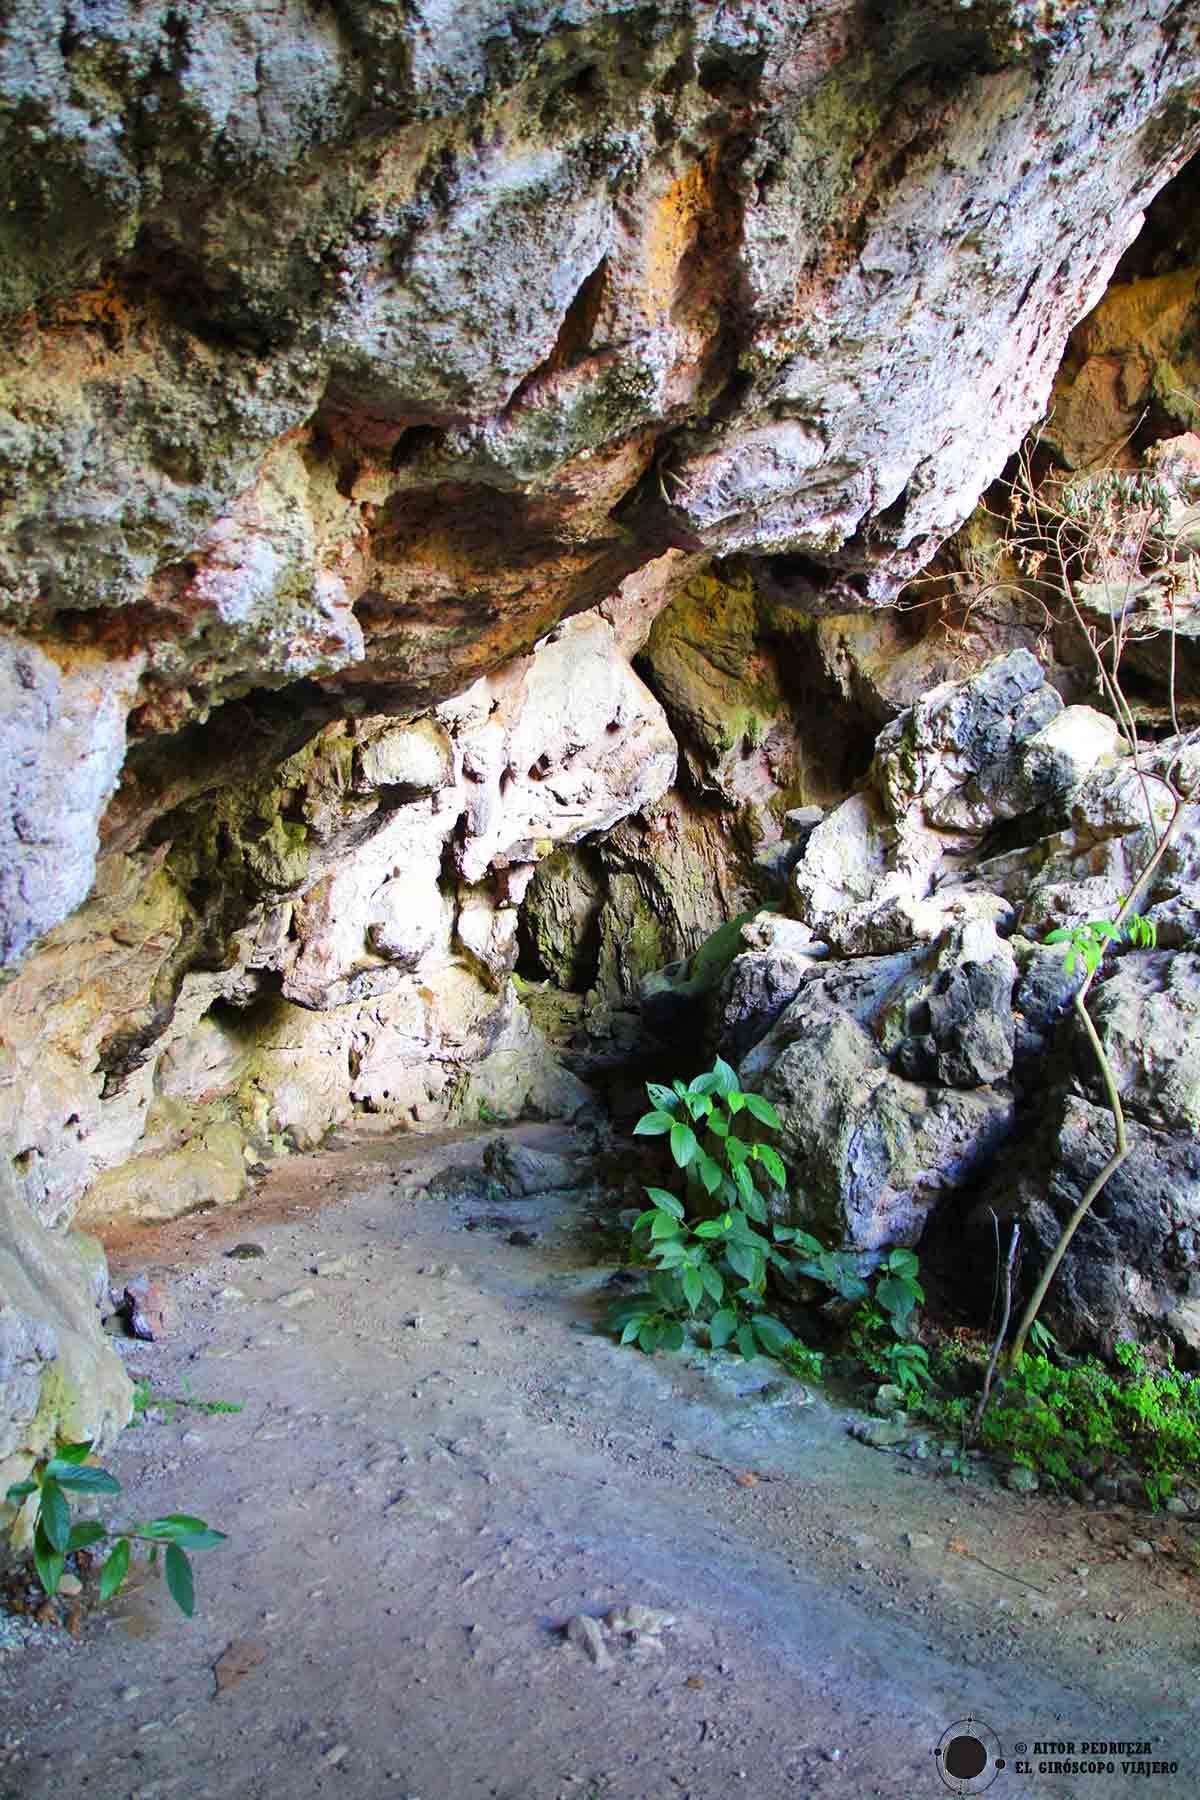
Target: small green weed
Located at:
point(145, 1397)
point(803, 1360)
point(68, 1472)
point(1071, 1421)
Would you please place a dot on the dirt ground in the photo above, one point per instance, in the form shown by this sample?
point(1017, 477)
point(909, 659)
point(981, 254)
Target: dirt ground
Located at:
point(439, 1462)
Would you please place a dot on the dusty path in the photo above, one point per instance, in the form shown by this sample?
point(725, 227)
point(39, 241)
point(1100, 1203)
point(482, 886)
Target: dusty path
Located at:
point(438, 1463)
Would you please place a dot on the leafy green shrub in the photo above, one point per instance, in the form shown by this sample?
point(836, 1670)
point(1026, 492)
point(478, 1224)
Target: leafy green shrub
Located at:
point(55, 1537)
point(716, 1268)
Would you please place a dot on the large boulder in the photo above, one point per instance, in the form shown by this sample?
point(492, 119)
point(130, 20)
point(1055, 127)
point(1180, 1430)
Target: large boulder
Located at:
point(60, 1378)
point(870, 1152)
point(1130, 1270)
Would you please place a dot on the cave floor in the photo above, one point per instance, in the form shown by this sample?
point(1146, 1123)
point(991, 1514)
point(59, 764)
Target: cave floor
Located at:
point(438, 1461)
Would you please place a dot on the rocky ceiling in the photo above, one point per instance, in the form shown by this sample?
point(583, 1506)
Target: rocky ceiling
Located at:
point(349, 346)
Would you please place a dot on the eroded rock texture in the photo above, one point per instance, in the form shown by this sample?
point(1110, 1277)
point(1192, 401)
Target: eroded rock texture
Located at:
point(378, 384)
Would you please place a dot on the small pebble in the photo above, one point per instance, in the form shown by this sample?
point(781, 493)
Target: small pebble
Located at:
point(297, 1297)
point(586, 1635)
point(245, 1252)
point(338, 1754)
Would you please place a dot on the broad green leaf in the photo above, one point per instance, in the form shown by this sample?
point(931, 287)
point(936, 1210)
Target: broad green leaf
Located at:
point(115, 1570)
point(713, 1228)
point(85, 1534)
point(630, 1331)
point(665, 1285)
point(208, 1539)
point(710, 1172)
point(744, 1180)
point(711, 1278)
point(704, 1084)
point(672, 1336)
point(735, 1100)
point(773, 1163)
point(90, 1481)
point(20, 1491)
point(755, 1205)
point(722, 1326)
point(664, 1098)
point(48, 1560)
point(56, 1515)
point(718, 1125)
point(762, 1110)
point(646, 1218)
point(69, 1457)
point(172, 1526)
point(693, 1287)
point(679, 1087)
point(807, 1244)
point(745, 1342)
point(903, 1262)
point(649, 1335)
point(672, 1254)
point(635, 1307)
point(665, 1225)
point(1058, 936)
point(653, 1124)
point(784, 1234)
point(736, 1151)
point(179, 1579)
point(896, 1298)
point(699, 1105)
point(683, 1144)
point(744, 1261)
point(726, 1077)
point(771, 1333)
point(666, 1201)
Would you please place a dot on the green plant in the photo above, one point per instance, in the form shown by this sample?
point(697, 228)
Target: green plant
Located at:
point(803, 1360)
point(1087, 943)
point(897, 1290)
point(1070, 1422)
point(68, 1472)
point(908, 1366)
point(489, 1116)
point(718, 1266)
point(145, 1397)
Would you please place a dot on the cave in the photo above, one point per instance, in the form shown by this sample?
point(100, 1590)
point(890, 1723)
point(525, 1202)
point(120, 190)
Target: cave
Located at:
point(545, 551)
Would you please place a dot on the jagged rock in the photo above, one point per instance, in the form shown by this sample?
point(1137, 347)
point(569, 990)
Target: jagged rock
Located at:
point(524, 1170)
point(952, 1021)
point(675, 1000)
point(61, 1381)
point(869, 1152)
point(1147, 1014)
point(62, 742)
point(1137, 344)
point(1130, 1269)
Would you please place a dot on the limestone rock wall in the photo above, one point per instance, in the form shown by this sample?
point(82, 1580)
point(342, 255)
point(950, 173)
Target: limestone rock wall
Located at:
point(351, 352)
point(356, 347)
